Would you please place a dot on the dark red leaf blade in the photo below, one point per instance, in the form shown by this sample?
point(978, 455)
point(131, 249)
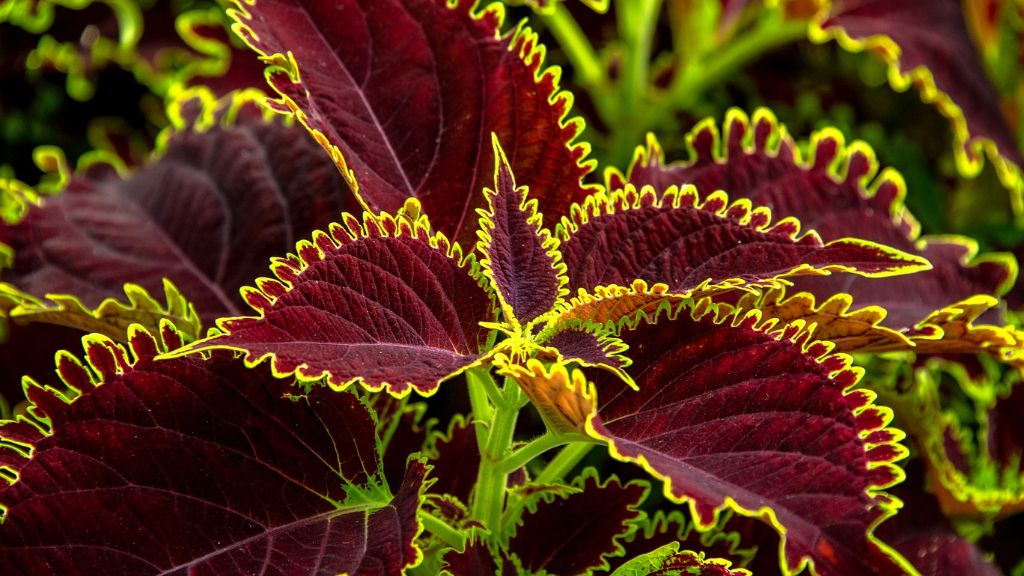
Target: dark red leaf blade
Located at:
point(928, 538)
point(208, 214)
point(692, 245)
point(455, 457)
point(383, 302)
point(732, 416)
point(165, 467)
point(572, 534)
point(520, 256)
point(838, 190)
point(927, 44)
point(405, 94)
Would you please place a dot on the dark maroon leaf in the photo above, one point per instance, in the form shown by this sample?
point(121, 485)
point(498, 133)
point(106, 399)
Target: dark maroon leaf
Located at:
point(676, 239)
point(406, 94)
point(29, 351)
point(383, 302)
point(838, 191)
point(586, 345)
point(926, 44)
point(573, 534)
point(208, 214)
point(1006, 431)
point(475, 560)
point(767, 424)
point(403, 436)
point(662, 529)
point(925, 537)
point(520, 256)
point(455, 457)
point(168, 467)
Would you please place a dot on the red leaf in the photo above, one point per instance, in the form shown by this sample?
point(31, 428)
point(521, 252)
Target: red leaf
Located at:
point(208, 214)
point(674, 238)
point(404, 95)
point(838, 191)
point(382, 302)
point(926, 44)
point(165, 467)
point(730, 416)
point(520, 256)
point(572, 534)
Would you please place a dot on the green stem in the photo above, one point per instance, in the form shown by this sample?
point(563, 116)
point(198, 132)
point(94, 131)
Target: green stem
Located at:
point(745, 48)
point(576, 47)
point(489, 494)
point(477, 379)
point(636, 26)
point(442, 530)
point(531, 450)
point(562, 464)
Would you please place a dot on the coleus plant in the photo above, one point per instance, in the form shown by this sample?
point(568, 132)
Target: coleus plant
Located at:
point(451, 297)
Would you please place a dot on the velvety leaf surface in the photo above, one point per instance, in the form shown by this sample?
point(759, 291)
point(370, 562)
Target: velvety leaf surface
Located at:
point(208, 215)
point(383, 302)
point(520, 256)
point(405, 96)
point(838, 191)
point(669, 560)
point(165, 467)
point(927, 44)
point(572, 534)
point(732, 417)
point(689, 244)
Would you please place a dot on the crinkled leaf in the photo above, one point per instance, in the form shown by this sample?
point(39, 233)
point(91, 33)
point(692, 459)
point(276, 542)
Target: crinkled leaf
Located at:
point(722, 541)
point(732, 416)
point(585, 344)
point(560, 397)
point(669, 560)
point(850, 330)
point(404, 95)
point(572, 534)
point(606, 307)
point(164, 467)
point(519, 255)
point(207, 214)
point(838, 191)
point(383, 302)
point(476, 559)
point(968, 437)
point(111, 318)
point(696, 246)
point(926, 44)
